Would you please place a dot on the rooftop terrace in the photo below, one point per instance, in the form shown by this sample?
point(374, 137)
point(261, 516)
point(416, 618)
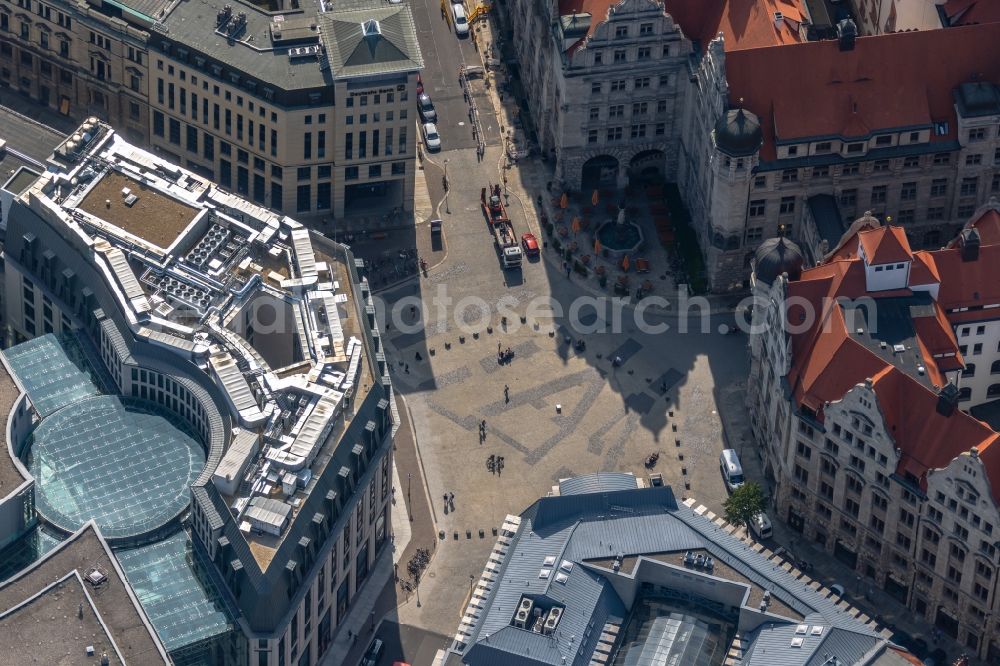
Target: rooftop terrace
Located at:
point(154, 216)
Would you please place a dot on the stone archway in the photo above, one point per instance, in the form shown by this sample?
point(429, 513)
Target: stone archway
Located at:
point(599, 172)
point(647, 167)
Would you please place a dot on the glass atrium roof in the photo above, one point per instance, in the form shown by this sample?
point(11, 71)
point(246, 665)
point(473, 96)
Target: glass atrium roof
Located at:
point(53, 370)
point(117, 460)
point(184, 607)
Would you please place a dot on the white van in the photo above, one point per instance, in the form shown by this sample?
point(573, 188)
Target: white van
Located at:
point(761, 526)
point(461, 20)
point(732, 470)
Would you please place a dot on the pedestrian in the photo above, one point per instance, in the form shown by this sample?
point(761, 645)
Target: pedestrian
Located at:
point(406, 368)
point(499, 346)
point(482, 426)
point(451, 498)
point(506, 393)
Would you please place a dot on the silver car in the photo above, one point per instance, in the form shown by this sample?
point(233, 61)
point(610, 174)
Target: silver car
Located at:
point(431, 138)
point(426, 108)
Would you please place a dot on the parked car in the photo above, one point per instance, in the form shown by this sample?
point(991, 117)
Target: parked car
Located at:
point(373, 653)
point(530, 244)
point(426, 108)
point(732, 470)
point(461, 20)
point(760, 525)
point(431, 138)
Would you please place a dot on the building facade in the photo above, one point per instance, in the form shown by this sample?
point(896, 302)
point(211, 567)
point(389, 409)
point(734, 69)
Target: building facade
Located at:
point(301, 108)
point(802, 160)
point(225, 315)
point(79, 59)
point(864, 371)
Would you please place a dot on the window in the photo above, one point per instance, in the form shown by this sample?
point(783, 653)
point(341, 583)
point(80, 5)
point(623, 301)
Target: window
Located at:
point(821, 172)
point(760, 182)
point(966, 210)
point(398, 169)
point(848, 197)
point(789, 175)
point(304, 173)
point(826, 490)
point(595, 113)
point(616, 111)
point(908, 192)
point(621, 31)
point(969, 186)
point(638, 131)
point(973, 160)
point(878, 194)
point(911, 162)
point(828, 467)
point(942, 158)
point(852, 507)
point(801, 474)
point(644, 53)
point(906, 216)
point(615, 133)
point(619, 55)
point(884, 140)
point(592, 136)
point(851, 169)
point(302, 198)
point(755, 234)
point(645, 28)
point(995, 184)
point(853, 148)
point(803, 450)
point(323, 196)
point(640, 108)
point(175, 131)
point(642, 83)
point(192, 139)
point(598, 57)
point(977, 134)
point(787, 206)
point(618, 86)
point(595, 88)
point(880, 166)
point(158, 123)
point(351, 173)
point(757, 207)
point(935, 213)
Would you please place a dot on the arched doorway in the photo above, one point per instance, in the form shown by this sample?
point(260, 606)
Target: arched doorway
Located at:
point(647, 168)
point(599, 172)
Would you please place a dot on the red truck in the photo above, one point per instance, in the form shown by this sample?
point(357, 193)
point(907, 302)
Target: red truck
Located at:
point(495, 212)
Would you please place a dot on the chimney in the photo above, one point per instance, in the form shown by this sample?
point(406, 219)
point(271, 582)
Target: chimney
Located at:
point(947, 399)
point(778, 19)
point(969, 242)
point(846, 32)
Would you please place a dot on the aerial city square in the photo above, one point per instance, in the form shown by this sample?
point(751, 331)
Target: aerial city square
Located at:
point(500, 332)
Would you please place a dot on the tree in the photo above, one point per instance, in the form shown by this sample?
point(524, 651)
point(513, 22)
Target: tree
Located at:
point(745, 503)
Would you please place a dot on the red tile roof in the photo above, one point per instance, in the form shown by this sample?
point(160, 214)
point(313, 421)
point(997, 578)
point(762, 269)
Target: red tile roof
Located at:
point(827, 361)
point(744, 23)
point(928, 439)
point(964, 12)
point(885, 245)
point(887, 81)
point(988, 226)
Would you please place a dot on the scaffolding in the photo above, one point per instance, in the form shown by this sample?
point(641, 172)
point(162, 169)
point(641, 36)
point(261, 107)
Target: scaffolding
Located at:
point(470, 98)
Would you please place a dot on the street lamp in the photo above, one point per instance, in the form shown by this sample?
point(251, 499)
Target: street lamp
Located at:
point(472, 582)
point(409, 510)
point(447, 189)
point(416, 588)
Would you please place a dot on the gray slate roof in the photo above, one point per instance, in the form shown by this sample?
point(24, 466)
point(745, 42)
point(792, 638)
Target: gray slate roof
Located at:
point(391, 47)
point(603, 523)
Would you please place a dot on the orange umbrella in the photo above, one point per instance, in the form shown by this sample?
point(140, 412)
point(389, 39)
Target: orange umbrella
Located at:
point(625, 263)
point(594, 198)
point(564, 201)
point(597, 246)
point(576, 225)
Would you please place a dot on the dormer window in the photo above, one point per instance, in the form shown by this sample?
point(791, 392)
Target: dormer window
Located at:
point(371, 28)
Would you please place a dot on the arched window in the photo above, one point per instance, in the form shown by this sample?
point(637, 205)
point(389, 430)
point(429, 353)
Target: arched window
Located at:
point(965, 393)
point(993, 391)
point(970, 370)
point(995, 368)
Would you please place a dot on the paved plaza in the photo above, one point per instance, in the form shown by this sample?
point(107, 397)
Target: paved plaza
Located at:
point(567, 412)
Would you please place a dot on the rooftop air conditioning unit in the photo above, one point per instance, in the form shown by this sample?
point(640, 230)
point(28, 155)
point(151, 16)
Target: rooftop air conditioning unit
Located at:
point(552, 620)
point(523, 615)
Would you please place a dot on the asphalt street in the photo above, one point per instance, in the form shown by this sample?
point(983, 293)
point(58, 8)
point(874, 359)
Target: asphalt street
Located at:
point(444, 55)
